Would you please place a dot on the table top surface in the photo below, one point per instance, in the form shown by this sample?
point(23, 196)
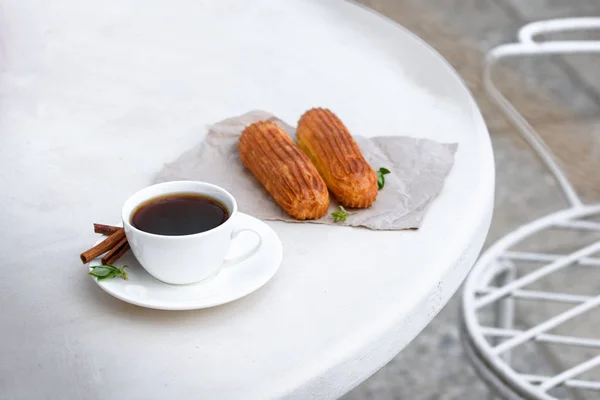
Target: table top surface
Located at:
point(96, 97)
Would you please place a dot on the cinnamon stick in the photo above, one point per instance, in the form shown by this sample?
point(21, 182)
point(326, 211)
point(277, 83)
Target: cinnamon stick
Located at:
point(103, 246)
point(105, 229)
point(115, 253)
point(118, 252)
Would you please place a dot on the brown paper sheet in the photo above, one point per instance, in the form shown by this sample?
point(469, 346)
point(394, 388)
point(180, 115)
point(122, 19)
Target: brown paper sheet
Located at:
point(418, 170)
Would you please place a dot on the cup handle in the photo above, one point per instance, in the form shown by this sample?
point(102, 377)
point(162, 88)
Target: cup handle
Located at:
point(229, 262)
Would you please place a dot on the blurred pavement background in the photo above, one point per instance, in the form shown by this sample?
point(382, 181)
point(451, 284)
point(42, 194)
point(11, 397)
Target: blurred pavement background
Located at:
point(560, 96)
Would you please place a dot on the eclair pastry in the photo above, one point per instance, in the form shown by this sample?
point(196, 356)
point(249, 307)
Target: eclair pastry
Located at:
point(284, 170)
point(331, 148)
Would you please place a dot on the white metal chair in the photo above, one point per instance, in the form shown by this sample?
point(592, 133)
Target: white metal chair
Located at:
point(506, 276)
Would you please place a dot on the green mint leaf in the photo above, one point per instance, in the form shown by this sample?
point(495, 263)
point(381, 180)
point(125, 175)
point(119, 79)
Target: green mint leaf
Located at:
point(103, 272)
point(100, 271)
point(381, 177)
point(340, 215)
point(112, 267)
point(111, 275)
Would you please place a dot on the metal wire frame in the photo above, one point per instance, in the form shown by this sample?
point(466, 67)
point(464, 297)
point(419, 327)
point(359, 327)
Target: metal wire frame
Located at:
point(489, 348)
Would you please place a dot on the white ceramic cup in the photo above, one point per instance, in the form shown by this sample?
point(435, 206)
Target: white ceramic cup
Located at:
point(187, 258)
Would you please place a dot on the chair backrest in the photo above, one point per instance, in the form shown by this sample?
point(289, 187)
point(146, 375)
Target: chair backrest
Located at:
point(528, 46)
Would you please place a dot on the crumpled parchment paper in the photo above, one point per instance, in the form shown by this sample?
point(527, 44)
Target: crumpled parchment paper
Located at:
point(418, 170)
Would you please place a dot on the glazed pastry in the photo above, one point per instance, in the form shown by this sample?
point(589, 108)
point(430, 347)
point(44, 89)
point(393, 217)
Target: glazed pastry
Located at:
point(284, 170)
point(329, 145)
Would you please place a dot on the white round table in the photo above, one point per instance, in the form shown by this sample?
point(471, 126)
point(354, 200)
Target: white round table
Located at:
point(96, 96)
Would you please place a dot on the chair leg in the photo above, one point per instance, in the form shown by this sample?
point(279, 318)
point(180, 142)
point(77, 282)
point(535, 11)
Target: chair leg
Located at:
point(505, 309)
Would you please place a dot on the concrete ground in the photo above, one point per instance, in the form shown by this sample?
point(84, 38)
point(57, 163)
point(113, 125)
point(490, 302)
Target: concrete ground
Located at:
point(560, 96)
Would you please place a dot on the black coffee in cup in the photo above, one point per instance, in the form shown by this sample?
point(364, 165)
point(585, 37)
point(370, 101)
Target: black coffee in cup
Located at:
point(179, 214)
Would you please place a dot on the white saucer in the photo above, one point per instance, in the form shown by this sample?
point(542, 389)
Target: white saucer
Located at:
point(230, 284)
